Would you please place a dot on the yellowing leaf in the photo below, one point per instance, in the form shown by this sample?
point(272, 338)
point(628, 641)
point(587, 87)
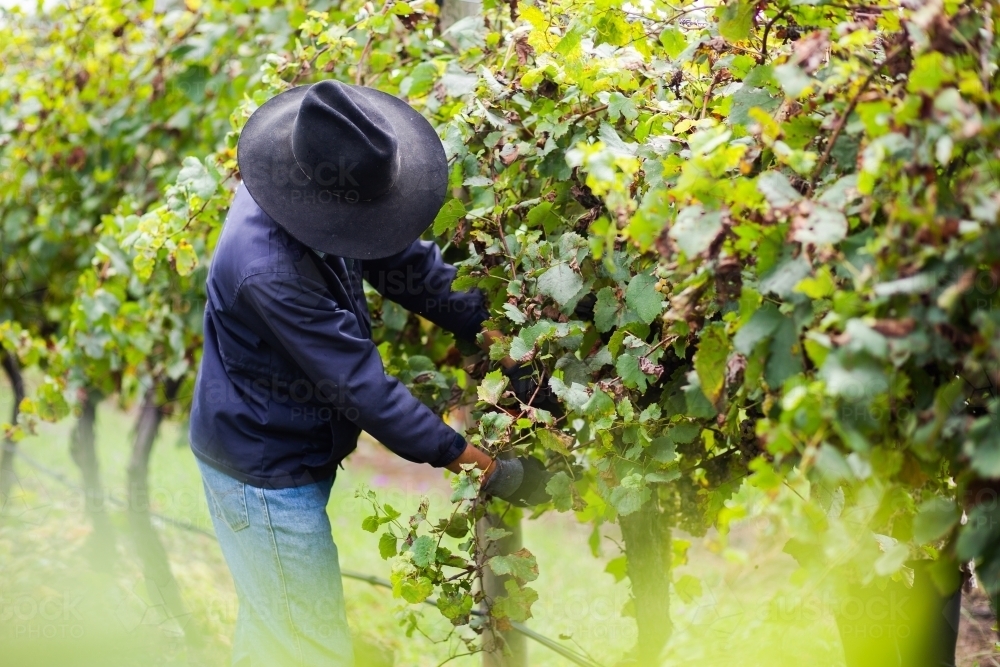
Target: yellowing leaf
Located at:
point(735, 19)
point(492, 386)
point(185, 258)
point(710, 360)
point(521, 565)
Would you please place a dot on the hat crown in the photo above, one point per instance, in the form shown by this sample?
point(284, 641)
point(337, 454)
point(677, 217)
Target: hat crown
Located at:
point(343, 143)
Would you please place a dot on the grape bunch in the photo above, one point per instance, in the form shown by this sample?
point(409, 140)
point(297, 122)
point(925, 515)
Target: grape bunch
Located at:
point(718, 469)
point(749, 444)
point(689, 507)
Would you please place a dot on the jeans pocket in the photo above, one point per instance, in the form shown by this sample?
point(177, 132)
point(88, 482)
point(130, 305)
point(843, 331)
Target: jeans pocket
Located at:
point(227, 497)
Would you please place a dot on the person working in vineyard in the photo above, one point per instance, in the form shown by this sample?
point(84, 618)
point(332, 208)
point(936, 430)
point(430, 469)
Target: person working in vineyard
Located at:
point(339, 182)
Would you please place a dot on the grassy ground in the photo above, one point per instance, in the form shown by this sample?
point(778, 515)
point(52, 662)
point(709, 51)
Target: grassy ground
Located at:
point(56, 608)
point(43, 558)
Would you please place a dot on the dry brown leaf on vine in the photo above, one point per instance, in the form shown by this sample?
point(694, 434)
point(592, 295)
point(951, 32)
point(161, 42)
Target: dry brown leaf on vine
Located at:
point(894, 328)
point(811, 51)
point(522, 49)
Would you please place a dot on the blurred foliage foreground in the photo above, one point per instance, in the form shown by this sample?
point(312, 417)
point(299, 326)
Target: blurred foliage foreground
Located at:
point(749, 250)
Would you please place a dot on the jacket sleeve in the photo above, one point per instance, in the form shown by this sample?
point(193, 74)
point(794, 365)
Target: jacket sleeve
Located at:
point(326, 342)
point(419, 280)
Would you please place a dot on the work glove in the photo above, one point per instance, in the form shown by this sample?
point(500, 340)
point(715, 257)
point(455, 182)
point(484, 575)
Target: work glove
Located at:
point(519, 481)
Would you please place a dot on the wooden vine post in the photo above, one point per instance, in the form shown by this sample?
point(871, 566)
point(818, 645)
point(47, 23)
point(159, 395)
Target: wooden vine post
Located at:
point(7, 445)
point(505, 648)
point(160, 580)
point(83, 450)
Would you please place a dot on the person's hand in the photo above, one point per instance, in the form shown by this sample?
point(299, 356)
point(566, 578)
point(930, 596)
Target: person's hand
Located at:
point(519, 481)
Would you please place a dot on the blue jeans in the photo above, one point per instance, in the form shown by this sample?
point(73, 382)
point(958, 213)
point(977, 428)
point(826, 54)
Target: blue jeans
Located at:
point(280, 551)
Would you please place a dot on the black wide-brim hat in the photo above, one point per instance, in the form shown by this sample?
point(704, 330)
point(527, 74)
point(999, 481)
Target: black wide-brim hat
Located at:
point(347, 170)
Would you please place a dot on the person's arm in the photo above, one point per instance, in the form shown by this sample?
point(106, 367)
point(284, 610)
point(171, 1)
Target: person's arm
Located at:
point(473, 454)
point(326, 342)
point(419, 280)
point(344, 366)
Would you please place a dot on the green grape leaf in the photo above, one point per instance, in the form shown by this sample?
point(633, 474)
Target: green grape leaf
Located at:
point(777, 190)
point(387, 546)
point(607, 310)
point(492, 387)
point(642, 297)
point(710, 360)
point(493, 534)
point(464, 487)
point(560, 487)
point(673, 40)
point(696, 229)
point(423, 550)
point(516, 605)
point(447, 218)
point(747, 98)
point(822, 226)
point(521, 565)
point(561, 283)
point(493, 425)
point(455, 605)
point(628, 369)
point(197, 178)
point(370, 523)
point(416, 590)
point(630, 495)
point(934, 519)
point(551, 440)
point(620, 106)
point(542, 215)
point(574, 395)
point(617, 568)
point(735, 19)
point(688, 588)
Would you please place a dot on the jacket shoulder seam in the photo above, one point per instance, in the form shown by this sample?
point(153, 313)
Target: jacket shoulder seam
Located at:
point(254, 274)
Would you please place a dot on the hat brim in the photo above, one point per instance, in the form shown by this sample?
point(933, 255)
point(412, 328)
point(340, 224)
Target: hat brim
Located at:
point(340, 223)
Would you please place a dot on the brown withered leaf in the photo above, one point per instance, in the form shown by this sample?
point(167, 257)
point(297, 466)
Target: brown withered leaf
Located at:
point(582, 224)
point(728, 279)
point(459, 236)
point(715, 44)
point(810, 51)
point(735, 367)
point(585, 197)
point(508, 154)
point(894, 328)
point(440, 92)
point(664, 245)
point(522, 49)
point(411, 20)
point(649, 368)
point(514, 11)
point(81, 79)
point(77, 158)
point(159, 84)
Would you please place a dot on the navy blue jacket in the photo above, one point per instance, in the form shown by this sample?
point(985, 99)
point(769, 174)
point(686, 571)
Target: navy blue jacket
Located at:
point(290, 376)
